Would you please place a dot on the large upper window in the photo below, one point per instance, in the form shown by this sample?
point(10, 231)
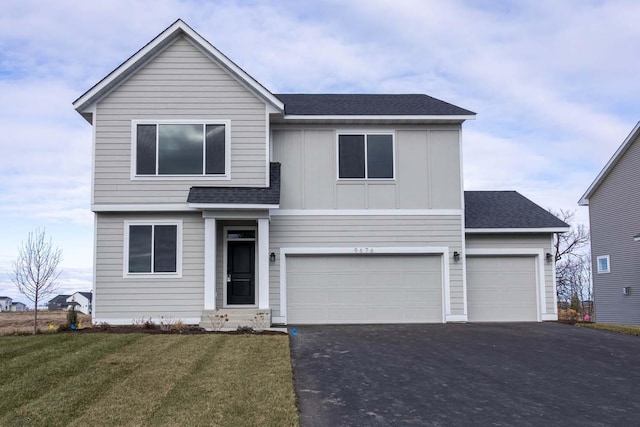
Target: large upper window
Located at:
point(181, 148)
point(365, 156)
point(152, 247)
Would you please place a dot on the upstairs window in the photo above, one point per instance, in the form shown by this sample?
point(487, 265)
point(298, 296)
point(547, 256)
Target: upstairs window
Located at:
point(365, 156)
point(181, 148)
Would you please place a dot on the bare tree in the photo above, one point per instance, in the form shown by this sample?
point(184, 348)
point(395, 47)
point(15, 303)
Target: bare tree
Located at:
point(35, 272)
point(573, 263)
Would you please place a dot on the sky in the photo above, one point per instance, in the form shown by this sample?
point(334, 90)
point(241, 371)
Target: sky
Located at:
point(554, 85)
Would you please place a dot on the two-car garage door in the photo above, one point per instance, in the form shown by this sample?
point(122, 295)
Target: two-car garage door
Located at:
point(501, 289)
point(345, 289)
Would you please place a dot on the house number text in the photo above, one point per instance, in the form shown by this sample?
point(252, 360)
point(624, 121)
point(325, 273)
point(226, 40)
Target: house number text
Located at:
point(363, 250)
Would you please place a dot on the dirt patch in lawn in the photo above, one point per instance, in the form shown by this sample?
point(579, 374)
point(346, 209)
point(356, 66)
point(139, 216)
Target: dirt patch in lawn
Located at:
point(16, 323)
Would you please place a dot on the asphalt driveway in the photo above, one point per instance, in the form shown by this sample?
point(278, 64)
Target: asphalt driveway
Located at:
point(528, 374)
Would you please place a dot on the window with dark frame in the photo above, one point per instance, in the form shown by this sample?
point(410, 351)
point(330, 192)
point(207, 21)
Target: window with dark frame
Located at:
point(180, 149)
point(365, 156)
point(153, 248)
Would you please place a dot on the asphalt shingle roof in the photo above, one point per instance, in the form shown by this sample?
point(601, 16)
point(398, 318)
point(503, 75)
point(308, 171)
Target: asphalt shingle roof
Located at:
point(59, 299)
point(505, 209)
point(368, 105)
point(240, 195)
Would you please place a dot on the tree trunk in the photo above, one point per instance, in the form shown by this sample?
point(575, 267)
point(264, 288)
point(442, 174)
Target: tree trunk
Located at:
point(35, 317)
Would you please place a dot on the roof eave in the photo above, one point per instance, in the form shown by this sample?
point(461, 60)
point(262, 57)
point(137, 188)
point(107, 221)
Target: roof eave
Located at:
point(232, 206)
point(84, 103)
point(613, 161)
point(517, 230)
point(456, 118)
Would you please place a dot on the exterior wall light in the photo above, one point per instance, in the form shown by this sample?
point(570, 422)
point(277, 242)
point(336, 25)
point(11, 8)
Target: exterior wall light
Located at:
point(456, 256)
point(549, 257)
point(272, 257)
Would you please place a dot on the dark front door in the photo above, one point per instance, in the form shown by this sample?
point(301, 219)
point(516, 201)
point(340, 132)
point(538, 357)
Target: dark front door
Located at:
point(241, 287)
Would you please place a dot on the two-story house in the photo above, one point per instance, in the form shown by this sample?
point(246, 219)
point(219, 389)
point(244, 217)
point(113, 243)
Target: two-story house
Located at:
point(81, 301)
point(213, 195)
point(5, 303)
point(614, 201)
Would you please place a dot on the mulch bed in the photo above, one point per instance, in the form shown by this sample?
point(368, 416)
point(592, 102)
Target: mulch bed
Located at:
point(187, 330)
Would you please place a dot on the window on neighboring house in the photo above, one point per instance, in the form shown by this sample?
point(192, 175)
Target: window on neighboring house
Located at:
point(365, 156)
point(603, 264)
point(181, 148)
point(153, 247)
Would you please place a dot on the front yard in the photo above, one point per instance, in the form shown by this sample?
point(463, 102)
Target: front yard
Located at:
point(139, 379)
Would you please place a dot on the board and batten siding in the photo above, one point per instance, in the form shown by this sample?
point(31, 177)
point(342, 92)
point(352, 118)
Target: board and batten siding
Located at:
point(180, 83)
point(130, 299)
point(427, 169)
point(521, 241)
point(367, 231)
point(614, 214)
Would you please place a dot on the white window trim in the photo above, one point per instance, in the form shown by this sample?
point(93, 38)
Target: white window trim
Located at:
point(203, 176)
point(608, 270)
point(365, 133)
point(125, 263)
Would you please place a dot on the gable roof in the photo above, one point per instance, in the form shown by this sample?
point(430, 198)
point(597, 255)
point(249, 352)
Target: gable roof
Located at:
point(59, 299)
point(225, 196)
point(131, 65)
point(507, 211)
point(369, 105)
point(626, 144)
point(87, 295)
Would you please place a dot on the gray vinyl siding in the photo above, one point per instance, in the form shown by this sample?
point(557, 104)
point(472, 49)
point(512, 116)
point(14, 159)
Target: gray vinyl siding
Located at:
point(366, 231)
point(427, 170)
point(180, 83)
point(516, 241)
point(614, 213)
point(134, 298)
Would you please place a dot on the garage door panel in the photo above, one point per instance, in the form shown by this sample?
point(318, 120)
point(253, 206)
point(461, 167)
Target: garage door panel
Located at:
point(364, 289)
point(501, 289)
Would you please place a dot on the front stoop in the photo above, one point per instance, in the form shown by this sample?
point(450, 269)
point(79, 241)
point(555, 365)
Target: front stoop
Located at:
point(237, 318)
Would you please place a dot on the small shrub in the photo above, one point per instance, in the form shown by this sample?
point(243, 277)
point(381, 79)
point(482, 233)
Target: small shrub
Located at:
point(245, 329)
point(102, 326)
point(172, 325)
point(218, 321)
point(144, 323)
point(260, 321)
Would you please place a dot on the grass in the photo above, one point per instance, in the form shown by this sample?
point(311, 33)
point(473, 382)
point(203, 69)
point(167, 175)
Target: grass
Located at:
point(139, 380)
point(12, 323)
point(623, 329)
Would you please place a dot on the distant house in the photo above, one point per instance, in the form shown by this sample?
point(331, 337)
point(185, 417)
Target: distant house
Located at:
point(5, 304)
point(82, 301)
point(18, 306)
point(58, 303)
point(614, 200)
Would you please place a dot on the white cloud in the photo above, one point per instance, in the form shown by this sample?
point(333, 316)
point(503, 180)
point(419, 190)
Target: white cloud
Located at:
point(553, 83)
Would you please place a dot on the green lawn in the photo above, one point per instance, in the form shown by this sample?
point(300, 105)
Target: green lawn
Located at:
point(138, 379)
point(623, 329)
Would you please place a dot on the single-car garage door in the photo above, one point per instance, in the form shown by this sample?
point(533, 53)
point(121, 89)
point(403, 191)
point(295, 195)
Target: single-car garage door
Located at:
point(501, 289)
point(345, 289)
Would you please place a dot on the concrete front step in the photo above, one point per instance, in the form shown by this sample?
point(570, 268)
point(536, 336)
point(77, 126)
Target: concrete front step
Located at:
point(233, 318)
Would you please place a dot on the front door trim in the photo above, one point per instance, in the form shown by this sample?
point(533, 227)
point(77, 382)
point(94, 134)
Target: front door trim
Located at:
point(225, 247)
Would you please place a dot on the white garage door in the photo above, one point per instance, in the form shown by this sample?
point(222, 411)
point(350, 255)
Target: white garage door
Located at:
point(501, 289)
point(364, 289)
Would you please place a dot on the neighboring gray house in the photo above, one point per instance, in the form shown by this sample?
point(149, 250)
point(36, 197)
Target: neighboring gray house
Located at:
point(614, 206)
point(58, 302)
point(213, 195)
point(5, 304)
